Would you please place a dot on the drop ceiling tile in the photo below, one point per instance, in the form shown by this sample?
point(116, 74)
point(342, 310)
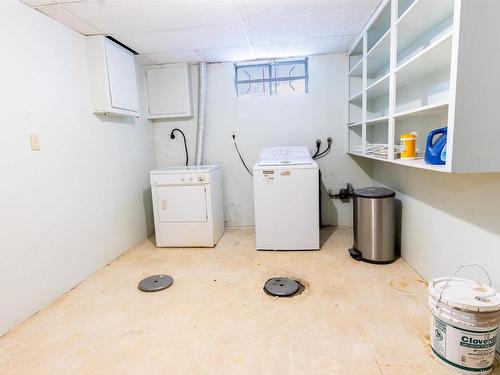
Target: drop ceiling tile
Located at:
point(189, 56)
point(144, 60)
point(35, 3)
point(226, 54)
point(301, 27)
point(67, 18)
point(268, 9)
point(144, 16)
point(187, 39)
point(307, 47)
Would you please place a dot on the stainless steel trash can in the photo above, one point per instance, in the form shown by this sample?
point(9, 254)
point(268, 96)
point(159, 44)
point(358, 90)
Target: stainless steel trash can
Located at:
point(374, 219)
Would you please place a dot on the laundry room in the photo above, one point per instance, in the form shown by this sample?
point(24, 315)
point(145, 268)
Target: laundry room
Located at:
point(249, 187)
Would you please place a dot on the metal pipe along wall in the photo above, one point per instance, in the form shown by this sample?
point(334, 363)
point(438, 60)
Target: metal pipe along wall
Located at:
point(202, 103)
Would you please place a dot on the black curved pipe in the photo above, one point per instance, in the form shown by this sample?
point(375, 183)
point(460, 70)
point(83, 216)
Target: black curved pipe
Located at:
point(172, 136)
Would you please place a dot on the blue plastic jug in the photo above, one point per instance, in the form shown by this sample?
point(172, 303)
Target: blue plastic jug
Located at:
point(435, 150)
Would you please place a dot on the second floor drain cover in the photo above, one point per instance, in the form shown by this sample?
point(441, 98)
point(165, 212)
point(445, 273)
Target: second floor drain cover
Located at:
point(155, 283)
point(281, 286)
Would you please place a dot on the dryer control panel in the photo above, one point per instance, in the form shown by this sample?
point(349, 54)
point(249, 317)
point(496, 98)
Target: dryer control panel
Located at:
point(180, 179)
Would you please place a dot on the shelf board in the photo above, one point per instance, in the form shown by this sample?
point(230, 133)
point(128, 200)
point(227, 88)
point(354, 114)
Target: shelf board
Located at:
point(421, 164)
point(358, 47)
point(426, 109)
point(417, 163)
point(357, 99)
point(368, 156)
point(432, 59)
point(378, 120)
point(379, 55)
point(419, 18)
point(355, 153)
point(378, 88)
point(353, 124)
point(357, 70)
point(378, 28)
point(403, 5)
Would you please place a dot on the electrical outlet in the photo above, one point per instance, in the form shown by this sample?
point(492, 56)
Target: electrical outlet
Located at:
point(34, 142)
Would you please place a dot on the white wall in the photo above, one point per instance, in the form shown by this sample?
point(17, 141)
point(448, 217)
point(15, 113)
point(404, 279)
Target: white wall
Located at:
point(83, 199)
point(447, 220)
point(170, 152)
point(271, 121)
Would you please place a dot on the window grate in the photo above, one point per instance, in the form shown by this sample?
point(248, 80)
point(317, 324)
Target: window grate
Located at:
point(275, 77)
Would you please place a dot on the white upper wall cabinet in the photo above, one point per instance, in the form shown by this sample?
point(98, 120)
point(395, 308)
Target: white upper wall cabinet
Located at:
point(420, 65)
point(169, 91)
point(112, 77)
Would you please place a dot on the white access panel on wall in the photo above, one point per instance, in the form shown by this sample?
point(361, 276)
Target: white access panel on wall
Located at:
point(169, 91)
point(122, 80)
point(182, 203)
point(112, 77)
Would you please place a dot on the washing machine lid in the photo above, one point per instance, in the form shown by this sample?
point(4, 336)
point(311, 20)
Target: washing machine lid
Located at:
point(285, 155)
point(185, 169)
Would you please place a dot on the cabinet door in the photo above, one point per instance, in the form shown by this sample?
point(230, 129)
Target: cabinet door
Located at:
point(181, 203)
point(122, 78)
point(169, 91)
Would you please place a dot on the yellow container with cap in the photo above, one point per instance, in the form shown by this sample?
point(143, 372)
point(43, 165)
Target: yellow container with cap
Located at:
point(408, 143)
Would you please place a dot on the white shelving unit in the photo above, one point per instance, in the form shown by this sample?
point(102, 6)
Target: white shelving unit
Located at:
point(420, 65)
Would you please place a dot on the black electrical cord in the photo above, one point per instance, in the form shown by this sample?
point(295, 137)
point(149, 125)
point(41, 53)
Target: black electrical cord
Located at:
point(318, 145)
point(321, 154)
point(172, 136)
point(241, 157)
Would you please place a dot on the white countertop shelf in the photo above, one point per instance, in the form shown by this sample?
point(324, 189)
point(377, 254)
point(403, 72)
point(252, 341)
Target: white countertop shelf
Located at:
point(416, 163)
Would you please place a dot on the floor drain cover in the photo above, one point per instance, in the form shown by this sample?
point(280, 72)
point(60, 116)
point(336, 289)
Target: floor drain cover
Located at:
point(155, 283)
point(281, 286)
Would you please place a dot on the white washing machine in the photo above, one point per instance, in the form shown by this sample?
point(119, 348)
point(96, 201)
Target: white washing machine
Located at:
point(286, 194)
point(187, 206)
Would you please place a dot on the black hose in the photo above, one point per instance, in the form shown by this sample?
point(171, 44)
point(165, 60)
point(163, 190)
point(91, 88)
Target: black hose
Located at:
point(318, 145)
point(241, 157)
point(321, 154)
point(172, 136)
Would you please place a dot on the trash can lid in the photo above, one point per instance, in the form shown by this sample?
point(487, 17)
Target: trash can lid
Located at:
point(374, 192)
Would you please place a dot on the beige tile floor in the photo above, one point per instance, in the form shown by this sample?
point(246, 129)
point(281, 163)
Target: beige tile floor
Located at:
point(353, 318)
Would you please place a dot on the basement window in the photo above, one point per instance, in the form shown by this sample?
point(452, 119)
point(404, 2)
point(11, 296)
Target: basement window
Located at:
point(274, 77)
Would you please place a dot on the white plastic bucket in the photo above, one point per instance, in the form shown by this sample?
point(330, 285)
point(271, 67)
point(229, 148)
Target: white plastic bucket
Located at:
point(464, 322)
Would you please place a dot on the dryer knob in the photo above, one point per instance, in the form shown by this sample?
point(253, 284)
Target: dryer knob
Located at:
point(182, 179)
point(200, 178)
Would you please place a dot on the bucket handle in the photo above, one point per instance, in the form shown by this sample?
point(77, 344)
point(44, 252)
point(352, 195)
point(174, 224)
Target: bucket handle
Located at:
point(456, 271)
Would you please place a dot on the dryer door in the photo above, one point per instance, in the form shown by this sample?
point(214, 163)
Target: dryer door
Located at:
point(186, 203)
